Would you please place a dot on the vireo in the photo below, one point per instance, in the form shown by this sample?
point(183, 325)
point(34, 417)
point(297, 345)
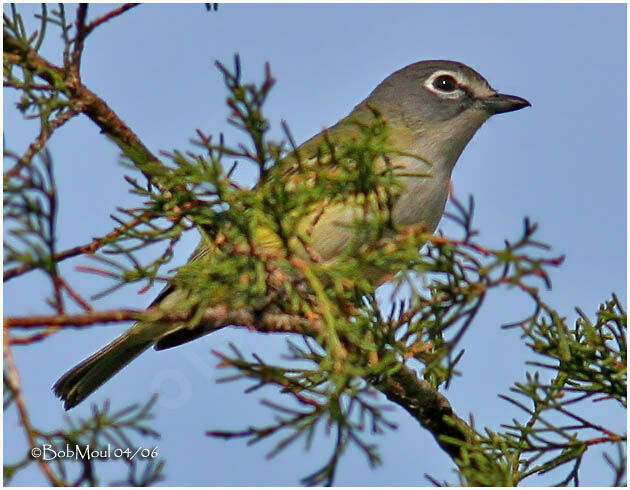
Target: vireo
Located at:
point(431, 110)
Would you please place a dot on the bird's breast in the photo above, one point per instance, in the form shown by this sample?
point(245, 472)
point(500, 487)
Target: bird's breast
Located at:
point(422, 201)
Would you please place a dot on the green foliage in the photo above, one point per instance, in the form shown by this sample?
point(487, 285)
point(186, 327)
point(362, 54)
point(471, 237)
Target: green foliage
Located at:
point(554, 435)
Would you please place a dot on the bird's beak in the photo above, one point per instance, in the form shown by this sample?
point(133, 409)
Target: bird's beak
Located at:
point(499, 103)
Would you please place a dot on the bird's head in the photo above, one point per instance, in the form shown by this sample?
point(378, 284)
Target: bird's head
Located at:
point(441, 103)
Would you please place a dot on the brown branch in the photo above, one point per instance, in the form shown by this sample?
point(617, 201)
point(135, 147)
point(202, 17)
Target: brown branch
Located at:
point(83, 31)
point(428, 406)
point(36, 146)
point(39, 321)
point(218, 316)
point(82, 100)
point(44, 334)
point(75, 60)
point(30, 86)
point(108, 16)
point(13, 384)
point(88, 248)
point(100, 113)
point(74, 295)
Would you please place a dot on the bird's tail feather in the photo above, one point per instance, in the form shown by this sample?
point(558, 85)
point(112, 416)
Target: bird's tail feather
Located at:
point(74, 386)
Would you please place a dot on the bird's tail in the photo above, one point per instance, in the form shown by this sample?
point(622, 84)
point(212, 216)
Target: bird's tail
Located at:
point(74, 386)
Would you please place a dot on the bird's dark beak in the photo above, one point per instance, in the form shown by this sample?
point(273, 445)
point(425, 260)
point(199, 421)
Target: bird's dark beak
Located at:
point(504, 103)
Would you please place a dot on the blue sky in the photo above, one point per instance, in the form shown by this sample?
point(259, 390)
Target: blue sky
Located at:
point(561, 162)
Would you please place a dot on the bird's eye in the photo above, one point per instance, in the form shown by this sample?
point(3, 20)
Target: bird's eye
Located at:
point(445, 83)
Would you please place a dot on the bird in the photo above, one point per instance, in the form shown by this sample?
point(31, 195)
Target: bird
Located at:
point(431, 110)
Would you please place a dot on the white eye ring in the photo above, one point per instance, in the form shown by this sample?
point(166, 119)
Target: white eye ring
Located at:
point(455, 94)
